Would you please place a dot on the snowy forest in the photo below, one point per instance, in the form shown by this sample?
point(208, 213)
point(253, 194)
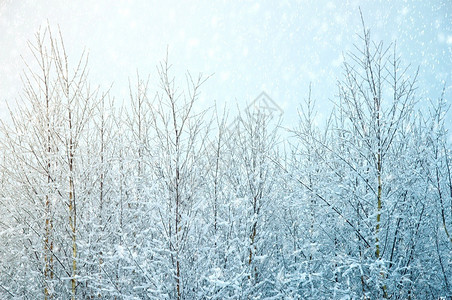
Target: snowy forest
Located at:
point(161, 198)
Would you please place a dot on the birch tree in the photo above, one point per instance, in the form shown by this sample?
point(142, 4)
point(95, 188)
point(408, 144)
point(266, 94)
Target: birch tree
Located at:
point(45, 134)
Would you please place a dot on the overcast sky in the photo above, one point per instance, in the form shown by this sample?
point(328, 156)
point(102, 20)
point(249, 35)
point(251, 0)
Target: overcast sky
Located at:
point(274, 46)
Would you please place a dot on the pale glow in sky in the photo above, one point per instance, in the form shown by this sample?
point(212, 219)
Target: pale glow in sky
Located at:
point(274, 46)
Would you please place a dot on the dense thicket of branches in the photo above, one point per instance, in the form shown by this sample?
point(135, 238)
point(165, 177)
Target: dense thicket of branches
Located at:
point(162, 200)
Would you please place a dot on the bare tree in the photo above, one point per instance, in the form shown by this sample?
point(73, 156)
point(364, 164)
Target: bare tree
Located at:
point(179, 141)
point(253, 146)
point(57, 104)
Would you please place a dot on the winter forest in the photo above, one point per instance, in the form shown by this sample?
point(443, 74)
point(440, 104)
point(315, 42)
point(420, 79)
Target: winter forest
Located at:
point(160, 197)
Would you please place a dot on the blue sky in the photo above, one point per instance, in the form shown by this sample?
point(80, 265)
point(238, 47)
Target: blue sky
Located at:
point(279, 47)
